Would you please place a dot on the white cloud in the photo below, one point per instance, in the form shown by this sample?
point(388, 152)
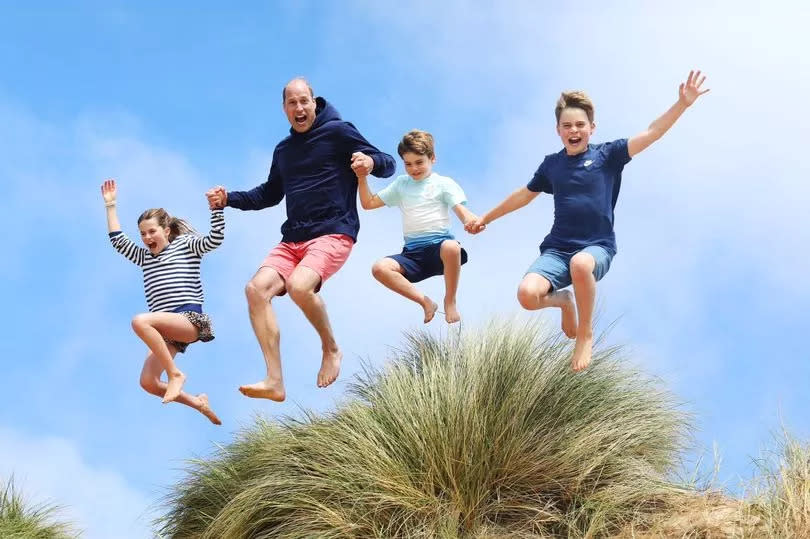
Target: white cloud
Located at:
point(52, 470)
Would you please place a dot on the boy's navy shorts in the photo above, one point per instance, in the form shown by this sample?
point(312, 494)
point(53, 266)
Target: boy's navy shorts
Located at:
point(422, 262)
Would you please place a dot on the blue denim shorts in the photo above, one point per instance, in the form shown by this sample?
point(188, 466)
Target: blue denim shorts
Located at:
point(423, 262)
point(554, 265)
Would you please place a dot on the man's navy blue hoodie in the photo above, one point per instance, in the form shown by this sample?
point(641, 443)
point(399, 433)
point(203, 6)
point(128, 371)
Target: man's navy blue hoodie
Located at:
point(313, 171)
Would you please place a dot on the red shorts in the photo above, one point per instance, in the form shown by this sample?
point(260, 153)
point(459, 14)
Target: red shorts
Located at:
point(324, 255)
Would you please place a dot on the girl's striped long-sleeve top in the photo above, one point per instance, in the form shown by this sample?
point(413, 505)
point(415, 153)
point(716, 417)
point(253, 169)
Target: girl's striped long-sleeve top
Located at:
point(172, 277)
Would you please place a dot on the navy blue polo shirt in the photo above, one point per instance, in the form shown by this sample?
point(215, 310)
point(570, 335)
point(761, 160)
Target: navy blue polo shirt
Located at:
point(585, 189)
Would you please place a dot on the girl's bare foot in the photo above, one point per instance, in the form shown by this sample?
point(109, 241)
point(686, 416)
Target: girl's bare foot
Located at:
point(582, 353)
point(205, 409)
point(266, 389)
point(430, 309)
point(174, 387)
point(451, 314)
point(330, 367)
point(569, 314)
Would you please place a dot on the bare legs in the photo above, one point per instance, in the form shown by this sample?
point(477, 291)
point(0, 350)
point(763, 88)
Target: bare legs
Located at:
point(301, 287)
point(451, 258)
point(535, 293)
point(151, 382)
point(582, 266)
point(265, 285)
point(390, 274)
point(260, 291)
point(152, 328)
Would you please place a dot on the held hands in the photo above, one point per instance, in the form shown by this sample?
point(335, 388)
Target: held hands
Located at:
point(109, 192)
point(474, 226)
point(690, 90)
point(362, 164)
point(217, 197)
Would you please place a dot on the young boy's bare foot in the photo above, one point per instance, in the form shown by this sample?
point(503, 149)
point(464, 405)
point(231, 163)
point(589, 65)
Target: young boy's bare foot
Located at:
point(430, 308)
point(176, 382)
point(330, 367)
point(205, 409)
point(582, 353)
point(451, 314)
point(266, 389)
point(569, 314)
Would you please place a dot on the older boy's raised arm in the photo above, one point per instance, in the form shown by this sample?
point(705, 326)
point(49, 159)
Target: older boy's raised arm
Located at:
point(688, 93)
point(519, 198)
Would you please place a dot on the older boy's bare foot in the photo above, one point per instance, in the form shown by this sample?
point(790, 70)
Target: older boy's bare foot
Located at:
point(205, 409)
point(266, 389)
point(569, 314)
point(330, 367)
point(176, 382)
point(451, 314)
point(582, 353)
point(430, 308)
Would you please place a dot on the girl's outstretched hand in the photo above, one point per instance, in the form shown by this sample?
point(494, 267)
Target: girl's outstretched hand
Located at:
point(108, 191)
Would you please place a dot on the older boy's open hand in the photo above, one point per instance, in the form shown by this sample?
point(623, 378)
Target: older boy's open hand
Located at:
point(690, 90)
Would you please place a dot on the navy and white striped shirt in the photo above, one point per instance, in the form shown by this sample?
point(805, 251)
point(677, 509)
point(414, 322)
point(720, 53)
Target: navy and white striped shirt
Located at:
point(172, 278)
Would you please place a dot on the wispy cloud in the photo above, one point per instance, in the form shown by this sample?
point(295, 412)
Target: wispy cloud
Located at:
point(52, 470)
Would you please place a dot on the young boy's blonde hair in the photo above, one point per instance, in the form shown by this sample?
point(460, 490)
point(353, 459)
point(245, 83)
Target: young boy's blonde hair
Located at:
point(418, 142)
point(576, 99)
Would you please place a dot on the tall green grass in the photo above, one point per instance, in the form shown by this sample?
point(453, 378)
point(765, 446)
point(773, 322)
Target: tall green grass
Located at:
point(19, 520)
point(483, 434)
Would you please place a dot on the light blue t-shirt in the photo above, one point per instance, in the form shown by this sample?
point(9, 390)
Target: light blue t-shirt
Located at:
point(424, 204)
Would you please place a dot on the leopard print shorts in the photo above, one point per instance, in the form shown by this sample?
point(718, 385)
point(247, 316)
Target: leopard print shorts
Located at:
point(202, 322)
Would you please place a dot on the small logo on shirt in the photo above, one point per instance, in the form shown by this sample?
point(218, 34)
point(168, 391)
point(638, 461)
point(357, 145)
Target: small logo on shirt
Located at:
point(588, 163)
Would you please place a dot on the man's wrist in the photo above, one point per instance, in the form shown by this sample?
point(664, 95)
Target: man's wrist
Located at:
point(109, 204)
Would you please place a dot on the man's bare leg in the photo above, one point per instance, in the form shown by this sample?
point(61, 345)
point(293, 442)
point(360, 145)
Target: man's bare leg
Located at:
point(301, 287)
point(535, 293)
point(262, 288)
point(151, 382)
point(450, 253)
point(582, 266)
point(389, 273)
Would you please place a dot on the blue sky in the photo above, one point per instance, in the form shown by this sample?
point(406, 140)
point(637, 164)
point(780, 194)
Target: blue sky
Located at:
point(709, 285)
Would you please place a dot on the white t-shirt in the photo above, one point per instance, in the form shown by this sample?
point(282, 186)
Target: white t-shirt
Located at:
point(424, 204)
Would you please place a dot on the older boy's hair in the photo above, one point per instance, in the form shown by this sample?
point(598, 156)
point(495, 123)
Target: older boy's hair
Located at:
point(575, 99)
point(418, 142)
point(305, 81)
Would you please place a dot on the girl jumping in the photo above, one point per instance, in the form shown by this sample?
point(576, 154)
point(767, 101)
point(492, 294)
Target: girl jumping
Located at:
point(171, 280)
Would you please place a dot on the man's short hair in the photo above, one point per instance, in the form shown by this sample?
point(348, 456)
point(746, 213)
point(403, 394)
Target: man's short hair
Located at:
point(575, 99)
point(284, 90)
point(418, 142)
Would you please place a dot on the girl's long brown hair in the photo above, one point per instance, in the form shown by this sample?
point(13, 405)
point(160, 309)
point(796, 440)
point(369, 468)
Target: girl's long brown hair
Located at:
point(177, 226)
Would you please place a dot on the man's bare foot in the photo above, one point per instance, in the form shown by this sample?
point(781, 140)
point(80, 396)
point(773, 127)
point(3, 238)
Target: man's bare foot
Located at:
point(266, 389)
point(430, 308)
point(330, 367)
point(569, 314)
point(176, 382)
point(205, 409)
point(451, 314)
point(582, 353)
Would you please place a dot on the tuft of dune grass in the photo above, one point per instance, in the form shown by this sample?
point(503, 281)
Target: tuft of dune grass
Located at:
point(20, 520)
point(486, 433)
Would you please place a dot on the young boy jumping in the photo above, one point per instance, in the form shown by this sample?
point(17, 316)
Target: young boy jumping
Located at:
point(424, 198)
point(584, 180)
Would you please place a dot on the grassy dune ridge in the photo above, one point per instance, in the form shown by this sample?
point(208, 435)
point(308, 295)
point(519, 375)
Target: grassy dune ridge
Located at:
point(486, 433)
